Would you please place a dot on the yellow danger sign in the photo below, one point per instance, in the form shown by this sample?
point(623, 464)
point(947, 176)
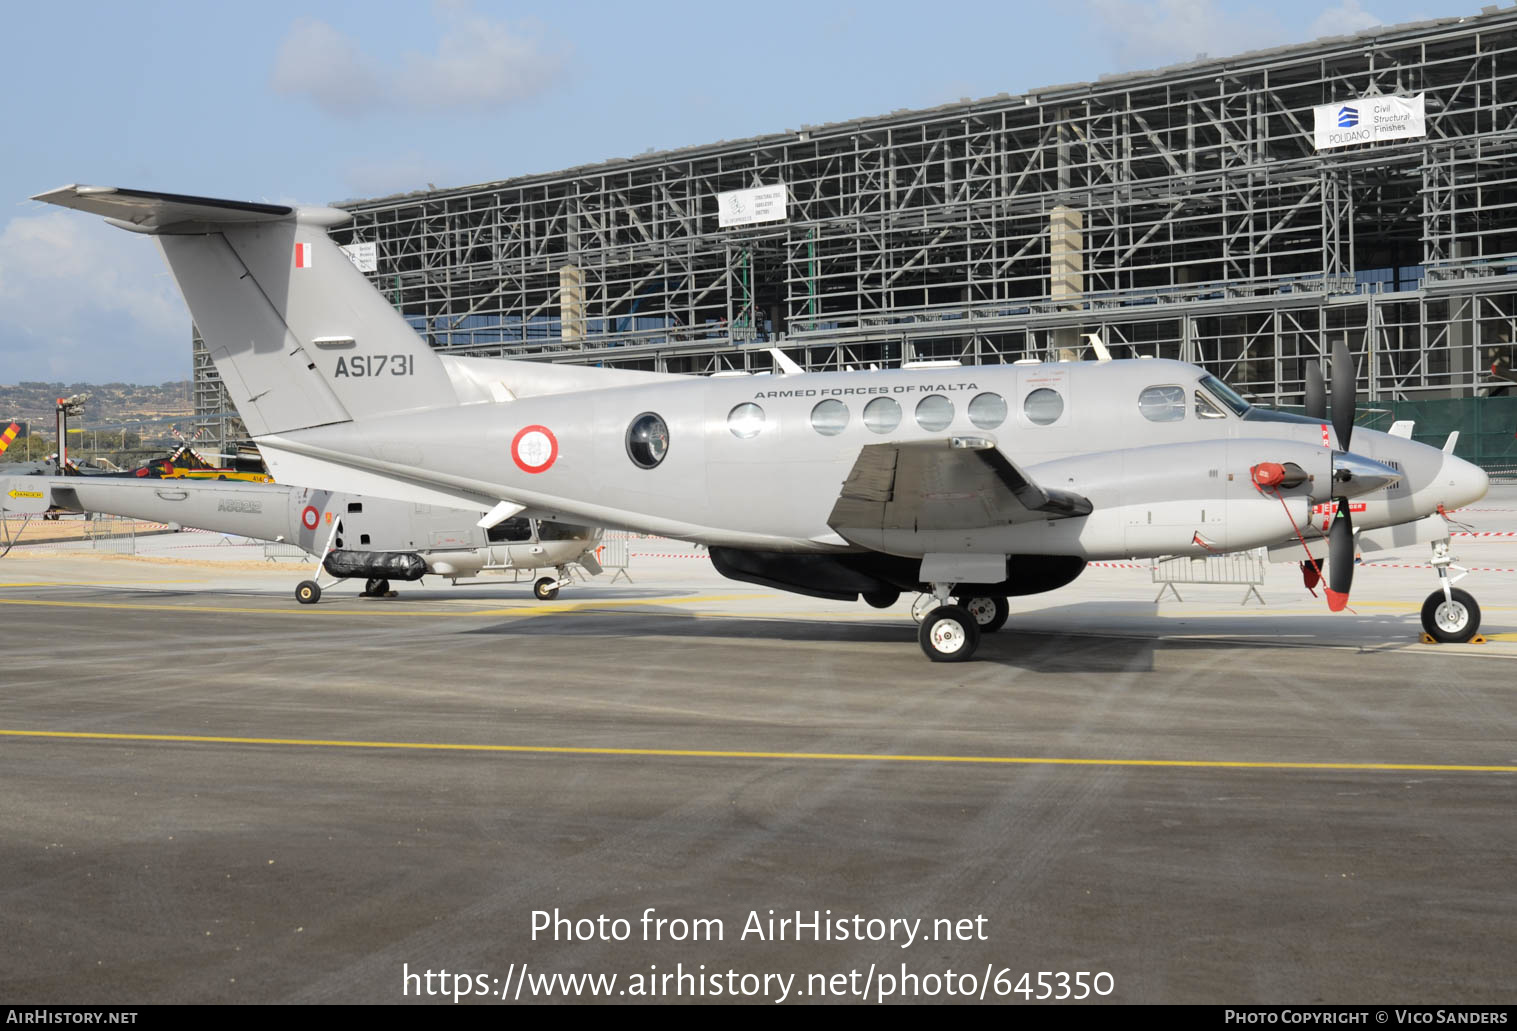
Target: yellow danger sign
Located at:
point(26, 494)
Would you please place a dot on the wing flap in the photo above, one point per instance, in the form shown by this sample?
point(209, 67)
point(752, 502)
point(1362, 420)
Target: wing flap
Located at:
point(950, 484)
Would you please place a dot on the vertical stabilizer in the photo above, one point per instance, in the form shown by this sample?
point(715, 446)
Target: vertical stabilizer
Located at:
point(299, 336)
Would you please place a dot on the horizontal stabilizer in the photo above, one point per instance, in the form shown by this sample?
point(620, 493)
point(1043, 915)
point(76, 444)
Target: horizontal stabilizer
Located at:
point(151, 212)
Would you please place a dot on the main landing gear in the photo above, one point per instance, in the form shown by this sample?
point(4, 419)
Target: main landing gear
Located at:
point(546, 588)
point(1449, 615)
point(951, 632)
point(308, 592)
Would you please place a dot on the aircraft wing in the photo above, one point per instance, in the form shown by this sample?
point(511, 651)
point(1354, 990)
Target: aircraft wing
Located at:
point(957, 483)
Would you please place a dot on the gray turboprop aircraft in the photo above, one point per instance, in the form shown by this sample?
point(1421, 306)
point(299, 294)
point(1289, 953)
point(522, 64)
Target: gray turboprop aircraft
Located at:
point(365, 538)
point(973, 484)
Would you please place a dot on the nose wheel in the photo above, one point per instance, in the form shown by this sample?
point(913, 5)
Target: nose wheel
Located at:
point(1454, 619)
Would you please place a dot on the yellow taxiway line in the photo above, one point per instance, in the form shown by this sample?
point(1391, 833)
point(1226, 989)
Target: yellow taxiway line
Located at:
point(711, 753)
point(539, 608)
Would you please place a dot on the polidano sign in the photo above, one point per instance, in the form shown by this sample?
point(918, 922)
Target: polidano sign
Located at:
point(1368, 119)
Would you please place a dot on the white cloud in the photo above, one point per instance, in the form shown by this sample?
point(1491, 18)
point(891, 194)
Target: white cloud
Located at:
point(317, 61)
point(1143, 34)
point(1151, 33)
point(83, 302)
point(1346, 18)
point(479, 64)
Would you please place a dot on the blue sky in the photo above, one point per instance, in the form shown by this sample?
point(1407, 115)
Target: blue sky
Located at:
point(317, 102)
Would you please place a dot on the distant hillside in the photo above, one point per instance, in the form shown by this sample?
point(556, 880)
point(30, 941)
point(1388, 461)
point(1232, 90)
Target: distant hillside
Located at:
point(109, 403)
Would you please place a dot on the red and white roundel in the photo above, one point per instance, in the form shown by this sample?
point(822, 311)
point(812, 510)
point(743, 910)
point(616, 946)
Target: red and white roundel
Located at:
point(534, 449)
point(310, 518)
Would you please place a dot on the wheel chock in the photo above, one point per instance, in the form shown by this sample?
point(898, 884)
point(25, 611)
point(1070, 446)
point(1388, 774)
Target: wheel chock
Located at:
point(1428, 638)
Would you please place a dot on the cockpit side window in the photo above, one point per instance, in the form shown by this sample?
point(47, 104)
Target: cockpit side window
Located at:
point(1206, 408)
point(1163, 403)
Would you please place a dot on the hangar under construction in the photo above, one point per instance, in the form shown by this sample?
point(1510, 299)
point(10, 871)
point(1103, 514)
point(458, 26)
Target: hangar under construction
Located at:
point(1240, 213)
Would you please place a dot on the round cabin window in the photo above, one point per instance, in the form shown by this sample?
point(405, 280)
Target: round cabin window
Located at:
point(647, 440)
point(746, 421)
point(882, 415)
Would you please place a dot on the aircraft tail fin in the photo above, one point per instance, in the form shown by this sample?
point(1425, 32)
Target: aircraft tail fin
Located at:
point(299, 336)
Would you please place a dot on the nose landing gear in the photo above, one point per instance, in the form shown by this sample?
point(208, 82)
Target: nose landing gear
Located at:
point(1449, 615)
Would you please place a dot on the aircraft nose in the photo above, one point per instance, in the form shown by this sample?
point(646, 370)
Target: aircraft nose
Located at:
point(1463, 482)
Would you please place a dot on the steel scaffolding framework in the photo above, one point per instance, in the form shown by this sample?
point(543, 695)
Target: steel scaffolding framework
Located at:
point(1211, 230)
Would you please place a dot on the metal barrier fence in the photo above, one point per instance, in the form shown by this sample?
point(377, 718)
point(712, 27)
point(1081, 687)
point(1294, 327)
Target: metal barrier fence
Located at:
point(89, 532)
point(273, 551)
point(1239, 567)
point(615, 553)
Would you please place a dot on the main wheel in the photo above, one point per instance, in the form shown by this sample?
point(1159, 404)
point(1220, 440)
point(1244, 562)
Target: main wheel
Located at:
point(882, 599)
point(376, 587)
point(308, 592)
point(990, 613)
point(544, 589)
point(949, 634)
point(1451, 620)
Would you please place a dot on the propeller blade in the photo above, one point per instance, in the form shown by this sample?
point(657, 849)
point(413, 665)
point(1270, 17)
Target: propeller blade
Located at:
point(1340, 558)
point(1344, 378)
point(1316, 392)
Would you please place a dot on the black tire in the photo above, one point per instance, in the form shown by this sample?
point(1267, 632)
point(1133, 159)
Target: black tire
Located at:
point(882, 599)
point(989, 612)
point(949, 634)
point(376, 587)
point(308, 592)
point(544, 589)
point(1452, 623)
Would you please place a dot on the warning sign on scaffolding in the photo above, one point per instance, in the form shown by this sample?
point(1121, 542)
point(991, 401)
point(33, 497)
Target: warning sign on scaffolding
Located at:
point(364, 255)
point(1369, 119)
point(746, 207)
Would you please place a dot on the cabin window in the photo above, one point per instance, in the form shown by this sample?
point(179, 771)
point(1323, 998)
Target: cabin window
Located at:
point(987, 411)
point(355, 507)
point(934, 412)
point(1043, 406)
point(1206, 408)
point(547, 531)
point(746, 421)
point(830, 417)
point(882, 415)
point(1162, 404)
point(647, 440)
point(510, 530)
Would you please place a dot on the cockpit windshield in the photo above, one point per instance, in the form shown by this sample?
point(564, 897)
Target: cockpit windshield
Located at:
point(1224, 393)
